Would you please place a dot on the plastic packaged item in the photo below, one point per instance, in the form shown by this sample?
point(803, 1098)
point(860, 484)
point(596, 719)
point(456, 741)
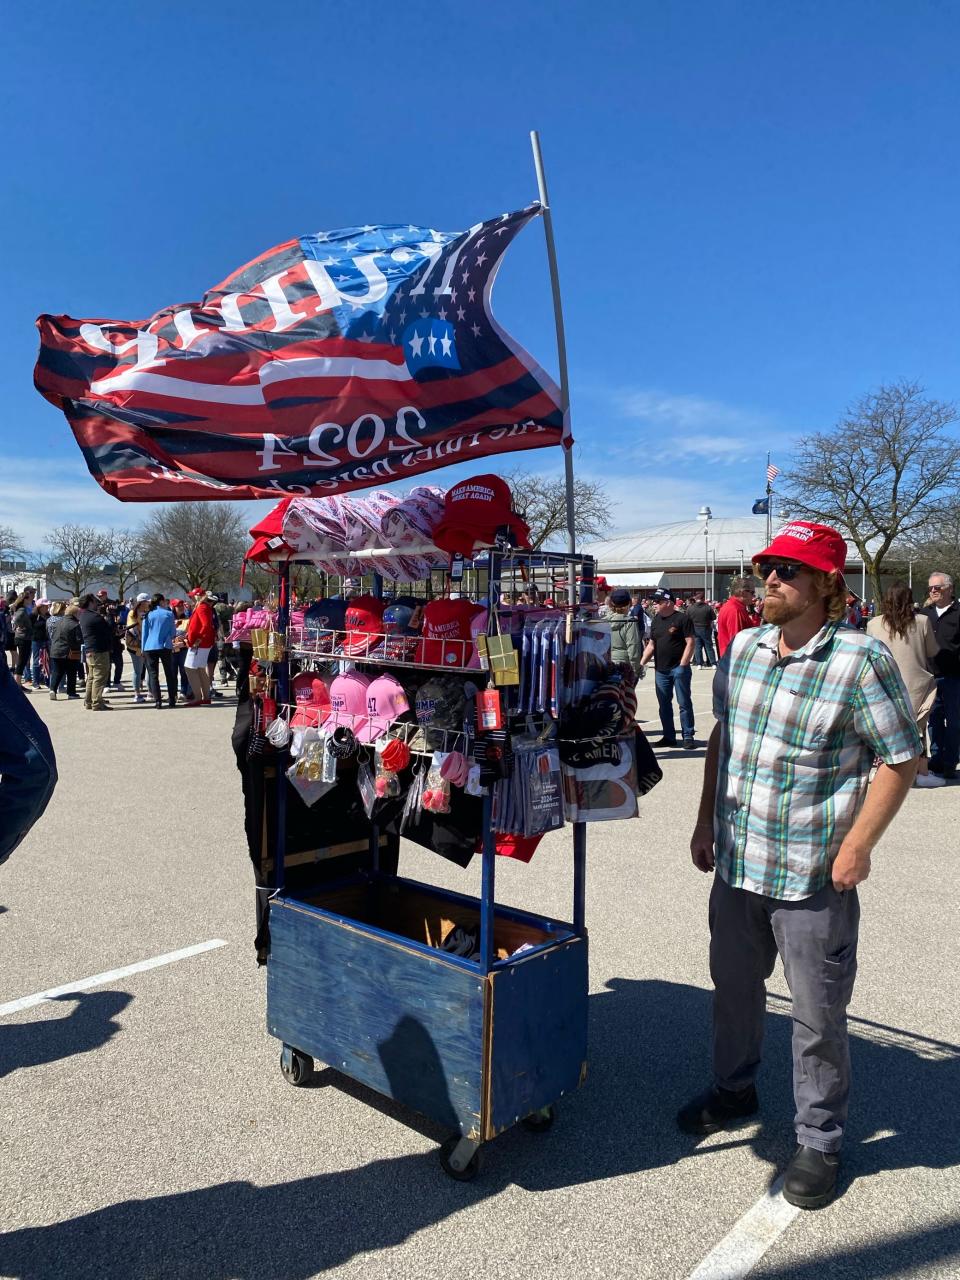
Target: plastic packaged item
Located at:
point(436, 790)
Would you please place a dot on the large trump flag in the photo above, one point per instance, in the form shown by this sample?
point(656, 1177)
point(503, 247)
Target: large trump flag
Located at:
point(332, 362)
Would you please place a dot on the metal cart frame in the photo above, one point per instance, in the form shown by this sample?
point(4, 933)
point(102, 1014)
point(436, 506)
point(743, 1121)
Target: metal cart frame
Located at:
point(476, 1045)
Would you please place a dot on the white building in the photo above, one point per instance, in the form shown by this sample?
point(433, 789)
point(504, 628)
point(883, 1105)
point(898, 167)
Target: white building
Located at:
point(693, 555)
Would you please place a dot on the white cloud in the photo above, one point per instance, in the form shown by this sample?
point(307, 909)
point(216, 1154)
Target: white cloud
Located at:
point(691, 428)
point(38, 493)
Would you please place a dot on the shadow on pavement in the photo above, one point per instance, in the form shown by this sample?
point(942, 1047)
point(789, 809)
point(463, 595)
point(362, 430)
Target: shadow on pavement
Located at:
point(900, 1255)
point(649, 1047)
point(88, 1026)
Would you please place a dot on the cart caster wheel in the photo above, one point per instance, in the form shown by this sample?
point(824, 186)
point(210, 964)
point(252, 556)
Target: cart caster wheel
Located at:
point(466, 1174)
point(296, 1067)
point(539, 1121)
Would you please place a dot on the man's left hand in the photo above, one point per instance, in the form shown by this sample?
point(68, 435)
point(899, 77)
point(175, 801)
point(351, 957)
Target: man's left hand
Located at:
point(851, 867)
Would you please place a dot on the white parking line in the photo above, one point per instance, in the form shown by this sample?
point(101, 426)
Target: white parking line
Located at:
point(100, 979)
point(742, 1248)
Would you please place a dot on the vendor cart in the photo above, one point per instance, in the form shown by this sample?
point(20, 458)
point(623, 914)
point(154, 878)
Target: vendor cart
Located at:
point(355, 979)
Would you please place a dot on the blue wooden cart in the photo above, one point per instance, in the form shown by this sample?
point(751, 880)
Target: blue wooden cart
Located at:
point(356, 979)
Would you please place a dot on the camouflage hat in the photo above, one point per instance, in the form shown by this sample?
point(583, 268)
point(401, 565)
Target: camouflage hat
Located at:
point(440, 703)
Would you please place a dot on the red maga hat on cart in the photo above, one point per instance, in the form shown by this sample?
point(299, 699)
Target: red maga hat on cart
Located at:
point(473, 511)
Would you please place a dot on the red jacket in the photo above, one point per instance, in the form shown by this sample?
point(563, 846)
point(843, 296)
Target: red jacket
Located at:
point(201, 632)
point(734, 616)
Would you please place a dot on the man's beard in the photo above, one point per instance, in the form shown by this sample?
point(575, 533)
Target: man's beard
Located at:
point(778, 611)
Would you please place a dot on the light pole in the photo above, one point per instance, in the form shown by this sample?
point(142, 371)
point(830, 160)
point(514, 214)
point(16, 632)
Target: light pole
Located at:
point(704, 514)
point(713, 573)
point(740, 549)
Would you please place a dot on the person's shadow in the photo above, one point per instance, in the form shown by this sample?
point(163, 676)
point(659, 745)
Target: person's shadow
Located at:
point(649, 1051)
point(88, 1026)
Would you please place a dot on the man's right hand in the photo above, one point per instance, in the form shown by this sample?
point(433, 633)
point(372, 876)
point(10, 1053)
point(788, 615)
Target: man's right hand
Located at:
point(701, 846)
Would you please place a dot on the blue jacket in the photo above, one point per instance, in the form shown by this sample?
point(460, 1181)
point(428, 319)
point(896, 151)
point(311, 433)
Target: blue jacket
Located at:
point(158, 629)
point(28, 767)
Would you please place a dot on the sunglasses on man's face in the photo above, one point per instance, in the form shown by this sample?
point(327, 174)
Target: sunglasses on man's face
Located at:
point(785, 572)
point(935, 586)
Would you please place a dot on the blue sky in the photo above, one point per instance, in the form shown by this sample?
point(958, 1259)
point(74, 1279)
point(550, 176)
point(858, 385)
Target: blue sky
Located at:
point(756, 205)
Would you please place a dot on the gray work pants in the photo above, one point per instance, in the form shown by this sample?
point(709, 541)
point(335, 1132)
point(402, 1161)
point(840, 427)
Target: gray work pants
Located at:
point(816, 939)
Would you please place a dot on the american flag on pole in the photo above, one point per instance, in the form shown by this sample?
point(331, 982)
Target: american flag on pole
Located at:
point(772, 472)
point(332, 362)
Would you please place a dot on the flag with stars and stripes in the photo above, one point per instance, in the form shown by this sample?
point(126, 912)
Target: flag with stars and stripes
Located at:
point(333, 362)
point(772, 472)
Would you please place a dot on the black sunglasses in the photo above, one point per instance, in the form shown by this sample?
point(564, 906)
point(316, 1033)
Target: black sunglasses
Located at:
point(785, 572)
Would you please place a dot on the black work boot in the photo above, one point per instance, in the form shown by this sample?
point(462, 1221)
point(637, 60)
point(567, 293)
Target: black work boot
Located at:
point(716, 1108)
point(811, 1178)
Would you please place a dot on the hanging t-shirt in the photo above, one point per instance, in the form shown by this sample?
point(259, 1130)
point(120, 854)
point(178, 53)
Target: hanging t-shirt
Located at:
point(447, 638)
point(669, 636)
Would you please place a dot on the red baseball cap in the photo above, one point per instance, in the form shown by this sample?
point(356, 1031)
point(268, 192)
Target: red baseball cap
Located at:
point(473, 511)
point(197, 591)
point(364, 626)
point(815, 545)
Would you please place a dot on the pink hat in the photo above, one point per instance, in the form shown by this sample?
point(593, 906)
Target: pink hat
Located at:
point(478, 627)
point(348, 703)
point(312, 700)
point(386, 701)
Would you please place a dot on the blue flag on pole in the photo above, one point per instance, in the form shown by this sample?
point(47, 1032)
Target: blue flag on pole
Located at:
point(761, 507)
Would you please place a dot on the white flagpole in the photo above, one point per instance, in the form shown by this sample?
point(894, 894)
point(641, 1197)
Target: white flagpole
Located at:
point(561, 346)
point(769, 505)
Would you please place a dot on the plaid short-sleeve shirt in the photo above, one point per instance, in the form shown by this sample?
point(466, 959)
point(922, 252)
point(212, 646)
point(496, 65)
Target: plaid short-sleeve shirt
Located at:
point(798, 738)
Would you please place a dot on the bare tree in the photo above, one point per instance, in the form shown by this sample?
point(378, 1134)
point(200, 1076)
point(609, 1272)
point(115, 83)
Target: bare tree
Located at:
point(194, 544)
point(123, 554)
point(74, 556)
point(542, 501)
point(935, 546)
point(881, 473)
point(10, 542)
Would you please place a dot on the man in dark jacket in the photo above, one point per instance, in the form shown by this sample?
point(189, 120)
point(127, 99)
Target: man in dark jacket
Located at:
point(944, 615)
point(28, 767)
point(97, 647)
point(703, 617)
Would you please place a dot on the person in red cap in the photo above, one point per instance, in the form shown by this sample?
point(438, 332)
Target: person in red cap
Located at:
point(200, 637)
point(788, 818)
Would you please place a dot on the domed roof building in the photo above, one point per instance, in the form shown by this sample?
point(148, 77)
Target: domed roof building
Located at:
point(690, 555)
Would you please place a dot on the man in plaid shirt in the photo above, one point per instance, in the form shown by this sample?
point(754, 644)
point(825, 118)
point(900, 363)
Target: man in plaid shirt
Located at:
point(788, 818)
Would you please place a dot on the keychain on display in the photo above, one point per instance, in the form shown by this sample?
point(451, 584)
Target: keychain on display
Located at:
point(489, 710)
point(368, 790)
point(278, 734)
point(436, 791)
point(392, 755)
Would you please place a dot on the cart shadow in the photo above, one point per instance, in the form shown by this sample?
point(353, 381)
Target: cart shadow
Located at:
point(649, 1044)
point(88, 1026)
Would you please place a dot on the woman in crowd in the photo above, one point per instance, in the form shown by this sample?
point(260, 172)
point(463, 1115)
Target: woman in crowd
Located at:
point(201, 634)
point(40, 645)
point(133, 640)
point(22, 610)
point(65, 641)
point(910, 639)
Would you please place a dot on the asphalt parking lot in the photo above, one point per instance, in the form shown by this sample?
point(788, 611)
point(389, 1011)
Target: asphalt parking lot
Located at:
point(148, 1133)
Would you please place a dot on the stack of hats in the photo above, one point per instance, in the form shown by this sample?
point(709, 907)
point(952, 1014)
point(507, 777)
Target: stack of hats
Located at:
point(475, 512)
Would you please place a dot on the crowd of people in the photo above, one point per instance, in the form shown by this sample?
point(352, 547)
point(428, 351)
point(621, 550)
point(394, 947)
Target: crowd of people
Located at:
point(78, 649)
point(676, 636)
